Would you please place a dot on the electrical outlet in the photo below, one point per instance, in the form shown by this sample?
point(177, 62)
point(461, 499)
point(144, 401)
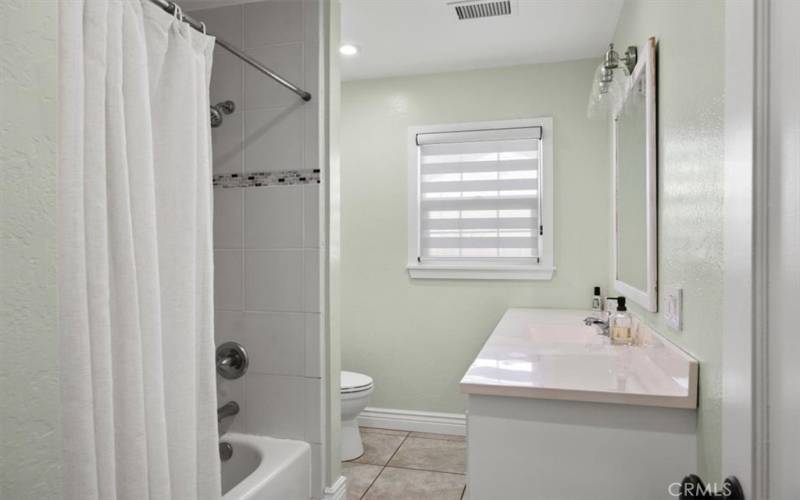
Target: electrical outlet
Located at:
point(673, 307)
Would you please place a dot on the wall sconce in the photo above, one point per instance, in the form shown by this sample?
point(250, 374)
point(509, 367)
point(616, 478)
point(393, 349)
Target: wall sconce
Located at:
point(612, 60)
point(606, 77)
point(607, 91)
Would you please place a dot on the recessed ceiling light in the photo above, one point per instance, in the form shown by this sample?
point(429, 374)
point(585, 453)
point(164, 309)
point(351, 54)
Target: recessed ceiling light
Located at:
point(348, 49)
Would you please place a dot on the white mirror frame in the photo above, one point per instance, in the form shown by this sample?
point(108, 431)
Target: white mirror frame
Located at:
point(647, 298)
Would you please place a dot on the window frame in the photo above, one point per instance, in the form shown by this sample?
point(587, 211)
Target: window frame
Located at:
point(483, 270)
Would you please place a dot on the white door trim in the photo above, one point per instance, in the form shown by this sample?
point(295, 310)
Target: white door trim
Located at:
point(338, 490)
point(760, 333)
point(744, 341)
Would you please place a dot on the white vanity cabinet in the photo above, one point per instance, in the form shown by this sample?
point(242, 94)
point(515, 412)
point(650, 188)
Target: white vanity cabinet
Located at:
point(557, 413)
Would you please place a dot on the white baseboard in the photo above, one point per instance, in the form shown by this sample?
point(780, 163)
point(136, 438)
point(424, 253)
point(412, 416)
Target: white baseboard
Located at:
point(337, 491)
point(415, 421)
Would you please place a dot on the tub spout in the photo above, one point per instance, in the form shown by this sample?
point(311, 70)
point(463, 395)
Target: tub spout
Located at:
point(229, 409)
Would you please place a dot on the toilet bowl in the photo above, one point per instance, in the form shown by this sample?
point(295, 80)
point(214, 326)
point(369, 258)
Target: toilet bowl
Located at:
point(356, 389)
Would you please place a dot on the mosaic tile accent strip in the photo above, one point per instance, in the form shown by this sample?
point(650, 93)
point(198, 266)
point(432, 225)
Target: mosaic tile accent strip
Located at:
point(255, 179)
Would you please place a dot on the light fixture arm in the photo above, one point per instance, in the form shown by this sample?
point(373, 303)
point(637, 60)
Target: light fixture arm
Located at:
point(611, 60)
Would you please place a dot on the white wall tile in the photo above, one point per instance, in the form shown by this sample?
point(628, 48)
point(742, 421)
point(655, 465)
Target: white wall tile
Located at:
point(311, 81)
point(271, 130)
point(313, 433)
point(228, 208)
point(223, 22)
point(229, 326)
point(311, 38)
point(311, 291)
point(284, 59)
point(276, 343)
point(226, 83)
point(274, 217)
point(311, 216)
point(227, 79)
point(311, 157)
point(313, 338)
point(226, 142)
point(273, 139)
point(317, 484)
point(273, 21)
point(274, 280)
point(275, 405)
point(228, 280)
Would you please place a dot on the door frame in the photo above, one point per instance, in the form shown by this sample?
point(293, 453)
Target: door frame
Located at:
point(744, 338)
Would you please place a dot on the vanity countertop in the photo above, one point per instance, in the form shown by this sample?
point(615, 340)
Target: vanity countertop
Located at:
point(551, 354)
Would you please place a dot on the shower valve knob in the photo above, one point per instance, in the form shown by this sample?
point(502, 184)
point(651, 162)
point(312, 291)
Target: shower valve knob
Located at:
point(232, 360)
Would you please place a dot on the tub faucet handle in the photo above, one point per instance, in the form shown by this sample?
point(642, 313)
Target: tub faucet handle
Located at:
point(232, 361)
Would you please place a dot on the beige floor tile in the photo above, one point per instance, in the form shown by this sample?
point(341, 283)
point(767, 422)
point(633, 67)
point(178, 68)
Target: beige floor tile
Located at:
point(430, 435)
point(378, 447)
point(431, 454)
point(385, 431)
point(405, 484)
point(359, 478)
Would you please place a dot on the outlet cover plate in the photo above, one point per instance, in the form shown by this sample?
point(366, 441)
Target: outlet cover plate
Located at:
point(673, 307)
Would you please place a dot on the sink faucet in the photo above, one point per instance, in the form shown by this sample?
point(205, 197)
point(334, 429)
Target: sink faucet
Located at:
point(602, 324)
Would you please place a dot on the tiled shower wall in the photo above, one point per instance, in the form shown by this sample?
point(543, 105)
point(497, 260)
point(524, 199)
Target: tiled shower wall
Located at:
point(266, 234)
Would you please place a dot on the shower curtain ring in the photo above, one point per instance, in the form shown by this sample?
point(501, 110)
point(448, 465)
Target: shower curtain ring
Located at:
point(177, 12)
point(203, 25)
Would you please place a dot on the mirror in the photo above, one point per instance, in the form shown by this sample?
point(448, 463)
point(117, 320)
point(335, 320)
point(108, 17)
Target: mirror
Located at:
point(635, 204)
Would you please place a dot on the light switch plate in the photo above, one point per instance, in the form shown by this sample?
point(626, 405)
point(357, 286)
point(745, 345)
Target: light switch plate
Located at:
point(673, 307)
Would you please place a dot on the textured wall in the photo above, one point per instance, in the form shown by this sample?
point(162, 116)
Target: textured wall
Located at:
point(690, 35)
point(29, 413)
point(417, 337)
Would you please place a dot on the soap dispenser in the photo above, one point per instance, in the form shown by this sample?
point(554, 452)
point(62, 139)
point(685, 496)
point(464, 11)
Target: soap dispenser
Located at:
point(620, 323)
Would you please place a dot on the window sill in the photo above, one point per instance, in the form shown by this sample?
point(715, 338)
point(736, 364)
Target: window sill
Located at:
point(444, 272)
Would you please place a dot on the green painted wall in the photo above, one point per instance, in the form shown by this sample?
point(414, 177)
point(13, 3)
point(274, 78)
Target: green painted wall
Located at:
point(30, 427)
point(691, 54)
point(417, 337)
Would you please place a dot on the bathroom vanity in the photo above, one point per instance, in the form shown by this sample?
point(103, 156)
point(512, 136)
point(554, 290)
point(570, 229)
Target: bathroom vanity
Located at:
point(557, 412)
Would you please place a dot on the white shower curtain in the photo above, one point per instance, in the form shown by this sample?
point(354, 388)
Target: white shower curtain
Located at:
point(135, 268)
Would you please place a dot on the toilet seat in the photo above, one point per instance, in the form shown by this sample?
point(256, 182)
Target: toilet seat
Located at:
point(355, 382)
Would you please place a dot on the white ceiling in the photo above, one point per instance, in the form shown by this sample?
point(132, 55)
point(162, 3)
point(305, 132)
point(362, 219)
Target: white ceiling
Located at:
point(401, 37)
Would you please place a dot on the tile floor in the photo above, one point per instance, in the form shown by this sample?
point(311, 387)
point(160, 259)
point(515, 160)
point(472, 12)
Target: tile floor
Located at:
point(399, 465)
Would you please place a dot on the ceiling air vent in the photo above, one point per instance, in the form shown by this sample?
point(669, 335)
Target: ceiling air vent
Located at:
point(479, 9)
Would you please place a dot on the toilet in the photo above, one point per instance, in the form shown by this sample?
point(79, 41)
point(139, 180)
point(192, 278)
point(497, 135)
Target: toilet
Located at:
point(356, 389)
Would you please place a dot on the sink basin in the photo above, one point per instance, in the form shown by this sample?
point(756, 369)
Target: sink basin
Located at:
point(551, 354)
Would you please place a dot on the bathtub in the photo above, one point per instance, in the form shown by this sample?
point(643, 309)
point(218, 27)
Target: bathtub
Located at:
point(264, 468)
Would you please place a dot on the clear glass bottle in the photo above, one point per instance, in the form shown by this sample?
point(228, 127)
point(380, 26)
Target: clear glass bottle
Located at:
point(620, 324)
point(597, 300)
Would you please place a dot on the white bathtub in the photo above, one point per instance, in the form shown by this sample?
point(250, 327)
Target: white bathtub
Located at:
point(264, 468)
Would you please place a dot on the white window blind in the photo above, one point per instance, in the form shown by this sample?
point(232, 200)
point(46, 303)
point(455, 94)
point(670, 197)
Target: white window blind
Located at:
point(479, 196)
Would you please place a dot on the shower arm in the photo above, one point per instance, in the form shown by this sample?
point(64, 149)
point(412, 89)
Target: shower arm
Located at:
point(171, 7)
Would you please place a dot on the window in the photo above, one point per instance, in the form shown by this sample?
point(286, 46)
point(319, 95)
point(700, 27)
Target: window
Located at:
point(480, 200)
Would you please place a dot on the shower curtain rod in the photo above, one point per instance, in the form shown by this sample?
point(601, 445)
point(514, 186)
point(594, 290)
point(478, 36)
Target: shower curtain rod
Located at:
point(170, 7)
